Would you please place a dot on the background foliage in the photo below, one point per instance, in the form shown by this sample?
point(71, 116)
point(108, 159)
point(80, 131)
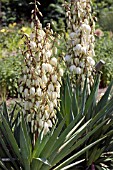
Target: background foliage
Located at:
point(17, 12)
point(104, 51)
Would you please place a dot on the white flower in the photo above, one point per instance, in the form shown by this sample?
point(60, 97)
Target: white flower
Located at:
point(32, 36)
point(28, 82)
point(32, 44)
point(39, 92)
point(26, 105)
point(53, 61)
point(49, 68)
point(42, 33)
point(21, 89)
point(55, 50)
point(49, 123)
point(91, 61)
point(48, 54)
point(30, 105)
point(26, 92)
point(46, 129)
point(87, 80)
point(46, 114)
point(55, 102)
point(29, 76)
point(54, 78)
point(32, 90)
point(37, 104)
point(41, 123)
point(49, 93)
point(44, 78)
point(27, 56)
point(83, 50)
point(86, 28)
point(54, 95)
point(67, 58)
point(51, 106)
point(82, 64)
point(25, 77)
point(77, 47)
point(72, 68)
point(37, 82)
point(76, 60)
point(61, 72)
point(44, 67)
point(83, 77)
point(51, 87)
point(72, 35)
point(78, 70)
point(58, 89)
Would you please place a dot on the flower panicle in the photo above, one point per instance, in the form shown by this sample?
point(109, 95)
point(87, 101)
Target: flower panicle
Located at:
point(81, 27)
point(39, 87)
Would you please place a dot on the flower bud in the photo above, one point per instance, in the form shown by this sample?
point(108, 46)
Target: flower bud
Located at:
point(32, 44)
point(53, 61)
point(32, 90)
point(26, 93)
point(54, 78)
point(39, 92)
point(44, 78)
point(67, 58)
point(78, 70)
point(72, 68)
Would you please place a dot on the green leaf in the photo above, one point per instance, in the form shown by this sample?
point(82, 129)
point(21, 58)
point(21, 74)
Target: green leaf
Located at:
point(84, 97)
point(3, 166)
point(40, 145)
point(24, 149)
point(37, 162)
point(7, 151)
point(104, 98)
point(68, 100)
point(91, 98)
point(60, 140)
point(5, 112)
point(73, 164)
point(75, 106)
point(10, 137)
point(75, 156)
point(27, 137)
point(69, 147)
point(50, 143)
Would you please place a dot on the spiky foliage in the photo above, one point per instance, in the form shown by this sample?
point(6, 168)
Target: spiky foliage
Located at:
point(75, 105)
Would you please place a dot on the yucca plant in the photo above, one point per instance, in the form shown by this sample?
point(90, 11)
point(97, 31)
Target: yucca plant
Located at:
point(53, 151)
point(75, 105)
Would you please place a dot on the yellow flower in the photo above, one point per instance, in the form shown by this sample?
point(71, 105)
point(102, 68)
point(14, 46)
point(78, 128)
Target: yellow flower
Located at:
point(11, 26)
point(3, 30)
point(14, 24)
point(23, 29)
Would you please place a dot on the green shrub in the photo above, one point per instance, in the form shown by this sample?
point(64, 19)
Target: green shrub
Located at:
point(104, 12)
point(10, 58)
point(106, 19)
point(104, 51)
point(10, 70)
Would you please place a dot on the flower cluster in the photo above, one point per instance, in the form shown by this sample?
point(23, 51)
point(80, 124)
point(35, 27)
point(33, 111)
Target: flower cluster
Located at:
point(39, 88)
point(81, 41)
